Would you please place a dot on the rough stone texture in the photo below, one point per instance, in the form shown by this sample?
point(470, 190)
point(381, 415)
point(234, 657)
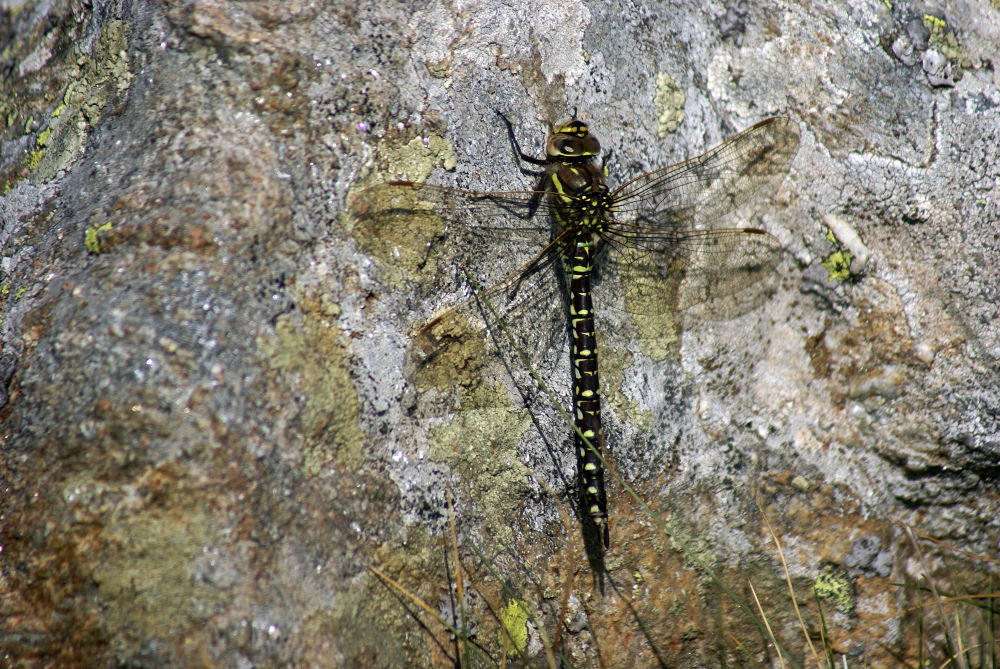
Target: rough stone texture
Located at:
point(216, 449)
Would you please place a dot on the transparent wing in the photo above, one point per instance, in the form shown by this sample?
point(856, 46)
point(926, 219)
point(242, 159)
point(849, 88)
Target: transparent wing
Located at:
point(713, 274)
point(664, 249)
point(465, 225)
point(698, 192)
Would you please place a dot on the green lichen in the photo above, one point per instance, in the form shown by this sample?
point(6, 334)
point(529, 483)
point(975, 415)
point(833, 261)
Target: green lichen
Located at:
point(360, 619)
point(98, 76)
point(613, 363)
point(143, 564)
point(92, 239)
point(834, 584)
point(669, 101)
point(417, 158)
point(480, 445)
point(311, 355)
point(439, 69)
point(13, 9)
point(5, 290)
point(395, 228)
point(450, 355)
point(649, 301)
point(393, 225)
point(20, 292)
point(514, 618)
point(417, 562)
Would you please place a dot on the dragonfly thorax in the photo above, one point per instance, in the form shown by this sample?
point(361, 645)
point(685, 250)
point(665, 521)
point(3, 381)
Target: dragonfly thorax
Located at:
point(581, 197)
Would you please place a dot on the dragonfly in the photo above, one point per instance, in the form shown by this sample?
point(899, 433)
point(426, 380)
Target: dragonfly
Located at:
point(579, 238)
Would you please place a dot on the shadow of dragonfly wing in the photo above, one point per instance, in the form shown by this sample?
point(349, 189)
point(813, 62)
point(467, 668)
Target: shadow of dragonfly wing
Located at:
point(451, 226)
point(486, 250)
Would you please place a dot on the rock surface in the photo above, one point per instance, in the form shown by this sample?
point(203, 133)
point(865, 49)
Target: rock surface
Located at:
point(217, 449)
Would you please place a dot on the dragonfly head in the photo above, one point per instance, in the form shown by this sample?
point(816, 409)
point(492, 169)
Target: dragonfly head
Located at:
point(571, 142)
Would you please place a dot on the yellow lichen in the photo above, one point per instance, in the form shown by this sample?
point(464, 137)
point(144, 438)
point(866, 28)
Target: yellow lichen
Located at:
point(35, 158)
point(91, 238)
point(514, 618)
point(945, 42)
point(67, 94)
point(931, 22)
point(834, 584)
point(838, 265)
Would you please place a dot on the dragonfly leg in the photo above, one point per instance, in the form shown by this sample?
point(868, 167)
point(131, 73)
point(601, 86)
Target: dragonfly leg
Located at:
point(517, 148)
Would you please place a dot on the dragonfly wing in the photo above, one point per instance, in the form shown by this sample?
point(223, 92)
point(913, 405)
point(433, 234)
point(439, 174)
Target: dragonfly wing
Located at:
point(715, 274)
point(700, 191)
point(664, 247)
point(495, 327)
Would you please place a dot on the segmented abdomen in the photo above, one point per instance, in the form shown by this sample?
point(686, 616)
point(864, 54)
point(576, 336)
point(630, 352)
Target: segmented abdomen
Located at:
point(586, 387)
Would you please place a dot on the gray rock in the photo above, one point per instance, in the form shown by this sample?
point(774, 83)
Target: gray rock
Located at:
point(218, 446)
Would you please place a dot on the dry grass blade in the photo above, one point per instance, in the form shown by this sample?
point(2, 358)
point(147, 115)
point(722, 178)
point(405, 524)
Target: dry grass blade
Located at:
point(459, 582)
point(788, 581)
point(770, 632)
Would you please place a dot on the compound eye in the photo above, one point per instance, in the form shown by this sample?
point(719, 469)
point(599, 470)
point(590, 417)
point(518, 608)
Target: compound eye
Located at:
point(566, 147)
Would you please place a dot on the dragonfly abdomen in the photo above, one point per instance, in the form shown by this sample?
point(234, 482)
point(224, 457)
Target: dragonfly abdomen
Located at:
point(586, 388)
